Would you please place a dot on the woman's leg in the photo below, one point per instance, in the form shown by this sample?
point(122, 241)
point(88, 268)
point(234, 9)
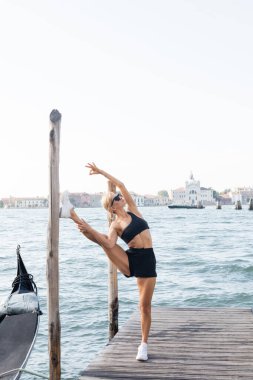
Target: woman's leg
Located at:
point(119, 258)
point(76, 219)
point(146, 289)
point(116, 254)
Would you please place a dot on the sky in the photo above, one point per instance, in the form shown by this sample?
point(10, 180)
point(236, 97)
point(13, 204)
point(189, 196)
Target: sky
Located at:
point(148, 90)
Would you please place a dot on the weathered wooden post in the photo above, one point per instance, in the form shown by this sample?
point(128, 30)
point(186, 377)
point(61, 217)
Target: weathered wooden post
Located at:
point(251, 204)
point(238, 205)
point(113, 301)
point(200, 204)
point(54, 327)
point(218, 205)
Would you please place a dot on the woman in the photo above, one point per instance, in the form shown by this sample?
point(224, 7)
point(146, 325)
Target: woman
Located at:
point(139, 260)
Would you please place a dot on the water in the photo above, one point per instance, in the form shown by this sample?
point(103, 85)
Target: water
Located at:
point(204, 258)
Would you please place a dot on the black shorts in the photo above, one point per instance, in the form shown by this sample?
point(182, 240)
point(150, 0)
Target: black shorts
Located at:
point(142, 262)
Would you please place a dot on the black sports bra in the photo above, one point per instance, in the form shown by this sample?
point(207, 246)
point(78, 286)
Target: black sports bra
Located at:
point(135, 227)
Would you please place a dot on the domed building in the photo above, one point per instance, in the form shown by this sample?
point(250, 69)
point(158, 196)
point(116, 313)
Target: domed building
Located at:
point(192, 191)
point(192, 194)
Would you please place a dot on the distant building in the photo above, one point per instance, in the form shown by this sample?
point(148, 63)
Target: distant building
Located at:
point(8, 202)
point(139, 199)
point(80, 199)
point(30, 202)
point(207, 196)
point(242, 194)
point(151, 200)
point(83, 200)
point(163, 201)
point(192, 193)
point(95, 200)
point(178, 195)
point(224, 199)
point(155, 200)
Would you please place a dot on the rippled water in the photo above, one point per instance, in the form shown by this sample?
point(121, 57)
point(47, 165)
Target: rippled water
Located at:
point(204, 258)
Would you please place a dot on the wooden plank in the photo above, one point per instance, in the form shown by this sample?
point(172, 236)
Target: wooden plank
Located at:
point(184, 344)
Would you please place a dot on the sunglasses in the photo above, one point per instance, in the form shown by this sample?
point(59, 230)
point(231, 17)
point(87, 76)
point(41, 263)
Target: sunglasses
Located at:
point(117, 198)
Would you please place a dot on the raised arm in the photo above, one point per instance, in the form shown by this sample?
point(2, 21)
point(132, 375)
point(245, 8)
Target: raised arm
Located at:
point(120, 185)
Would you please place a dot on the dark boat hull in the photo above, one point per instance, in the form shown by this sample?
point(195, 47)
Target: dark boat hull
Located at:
point(17, 337)
point(185, 206)
point(18, 332)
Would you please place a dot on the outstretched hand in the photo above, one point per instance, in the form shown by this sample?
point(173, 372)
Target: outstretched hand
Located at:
point(93, 168)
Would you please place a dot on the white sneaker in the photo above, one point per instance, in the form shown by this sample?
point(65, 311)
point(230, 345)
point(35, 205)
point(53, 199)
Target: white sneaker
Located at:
point(142, 353)
point(66, 205)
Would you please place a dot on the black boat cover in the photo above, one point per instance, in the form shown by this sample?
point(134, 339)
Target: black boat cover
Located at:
point(18, 331)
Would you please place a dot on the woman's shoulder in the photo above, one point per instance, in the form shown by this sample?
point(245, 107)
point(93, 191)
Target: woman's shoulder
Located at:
point(134, 211)
point(115, 225)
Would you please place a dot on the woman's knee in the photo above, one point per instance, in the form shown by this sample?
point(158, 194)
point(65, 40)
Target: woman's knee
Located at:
point(145, 308)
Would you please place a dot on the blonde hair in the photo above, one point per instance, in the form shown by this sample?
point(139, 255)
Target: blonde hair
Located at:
point(106, 203)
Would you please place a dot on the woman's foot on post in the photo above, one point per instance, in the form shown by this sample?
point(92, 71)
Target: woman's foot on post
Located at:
point(66, 206)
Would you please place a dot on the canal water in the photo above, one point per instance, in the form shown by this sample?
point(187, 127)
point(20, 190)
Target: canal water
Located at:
point(204, 258)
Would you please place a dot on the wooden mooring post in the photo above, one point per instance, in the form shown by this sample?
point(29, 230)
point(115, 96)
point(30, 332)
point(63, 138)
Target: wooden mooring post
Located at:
point(218, 205)
point(113, 301)
point(238, 205)
point(54, 328)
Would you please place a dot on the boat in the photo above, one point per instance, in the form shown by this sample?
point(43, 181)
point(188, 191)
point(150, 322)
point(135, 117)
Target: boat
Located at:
point(198, 206)
point(19, 322)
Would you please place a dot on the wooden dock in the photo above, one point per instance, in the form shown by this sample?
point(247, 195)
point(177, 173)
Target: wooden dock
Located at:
point(185, 344)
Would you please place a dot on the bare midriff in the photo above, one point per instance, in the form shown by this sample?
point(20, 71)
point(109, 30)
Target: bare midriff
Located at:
point(142, 240)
